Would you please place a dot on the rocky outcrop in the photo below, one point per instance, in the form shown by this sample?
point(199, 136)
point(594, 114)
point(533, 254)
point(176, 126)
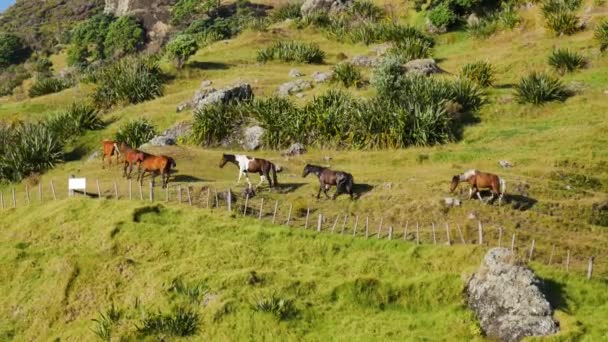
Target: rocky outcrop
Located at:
point(252, 138)
point(172, 135)
point(331, 6)
point(295, 73)
point(507, 299)
point(321, 77)
point(294, 87)
point(364, 61)
point(426, 67)
point(296, 149)
point(206, 96)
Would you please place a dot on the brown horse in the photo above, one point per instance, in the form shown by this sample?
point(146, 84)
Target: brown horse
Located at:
point(131, 156)
point(342, 180)
point(109, 148)
point(248, 164)
point(156, 165)
point(481, 180)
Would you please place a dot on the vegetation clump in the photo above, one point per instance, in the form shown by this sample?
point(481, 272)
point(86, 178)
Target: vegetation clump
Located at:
point(179, 322)
point(564, 60)
point(49, 85)
point(538, 88)
point(291, 51)
point(136, 132)
point(347, 74)
point(480, 72)
point(289, 10)
point(12, 50)
point(601, 35)
point(282, 309)
point(560, 16)
point(181, 48)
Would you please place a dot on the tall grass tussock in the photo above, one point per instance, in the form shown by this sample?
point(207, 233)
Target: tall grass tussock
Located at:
point(49, 85)
point(136, 132)
point(564, 60)
point(291, 51)
point(538, 88)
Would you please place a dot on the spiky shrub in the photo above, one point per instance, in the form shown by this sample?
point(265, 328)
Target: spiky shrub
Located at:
point(124, 36)
point(290, 51)
point(49, 85)
point(364, 10)
point(538, 88)
point(317, 18)
point(180, 322)
point(129, 80)
point(105, 322)
point(408, 49)
point(467, 94)
point(483, 28)
point(328, 119)
point(283, 122)
point(280, 308)
point(442, 16)
point(194, 291)
point(74, 121)
point(563, 22)
point(387, 77)
point(564, 60)
point(601, 35)
point(508, 16)
point(480, 72)
point(181, 48)
point(11, 78)
point(214, 123)
point(347, 74)
point(136, 132)
point(290, 10)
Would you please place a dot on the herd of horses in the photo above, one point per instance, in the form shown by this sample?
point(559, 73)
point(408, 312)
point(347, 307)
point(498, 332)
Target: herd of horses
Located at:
point(343, 181)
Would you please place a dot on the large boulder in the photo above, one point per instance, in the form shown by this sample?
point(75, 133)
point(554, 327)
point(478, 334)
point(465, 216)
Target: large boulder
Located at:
point(507, 299)
point(172, 135)
point(364, 61)
point(331, 6)
point(321, 77)
point(293, 87)
point(426, 67)
point(252, 138)
point(206, 95)
point(295, 149)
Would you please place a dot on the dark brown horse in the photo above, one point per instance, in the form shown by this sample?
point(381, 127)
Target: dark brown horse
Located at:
point(342, 180)
point(109, 148)
point(481, 180)
point(131, 156)
point(155, 165)
point(248, 164)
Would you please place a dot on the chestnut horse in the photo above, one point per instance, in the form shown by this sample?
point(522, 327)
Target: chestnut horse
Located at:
point(155, 165)
point(342, 180)
point(131, 156)
point(109, 148)
point(481, 180)
point(248, 164)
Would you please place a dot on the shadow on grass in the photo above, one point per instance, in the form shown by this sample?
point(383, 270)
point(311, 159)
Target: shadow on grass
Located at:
point(517, 202)
point(361, 189)
point(285, 188)
point(208, 65)
point(555, 294)
point(186, 179)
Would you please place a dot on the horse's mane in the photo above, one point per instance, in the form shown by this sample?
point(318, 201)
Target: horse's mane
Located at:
point(317, 167)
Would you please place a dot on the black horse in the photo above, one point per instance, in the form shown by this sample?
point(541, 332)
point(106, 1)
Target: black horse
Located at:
point(342, 180)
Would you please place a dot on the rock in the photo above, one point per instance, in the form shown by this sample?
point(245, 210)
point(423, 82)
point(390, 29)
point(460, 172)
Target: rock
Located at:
point(94, 156)
point(472, 216)
point(295, 73)
point(426, 67)
point(451, 202)
point(252, 137)
point(431, 28)
point(327, 158)
point(293, 87)
point(300, 95)
point(320, 77)
point(330, 6)
point(206, 83)
point(507, 299)
point(382, 49)
point(472, 19)
point(171, 136)
point(364, 61)
point(505, 164)
point(296, 149)
point(183, 106)
point(240, 91)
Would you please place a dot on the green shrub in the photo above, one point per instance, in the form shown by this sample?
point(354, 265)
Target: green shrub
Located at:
point(364, 10)
point(105, 323)
point(563, 22)
point(136, 132)
point(564, 60)
point(87, 39)
point(193, 291)
point(289, 10)
point(290, 51)
point(181, 48)
point(43, 67)
point(12, 50)
point(49, 85)
point(317, 18)
point(74, 121)
point(538, 88)
point(280, 308)
point(283, 122)
point(442, 16)
point(411, 48)
point(483, 28)
point(11, 78)
point(180, 322)
point(556, 6)
point(129, 80)
point(214, 123)
point(329, 119)
point(601, 35)
point(480, 72)
point(508, 16)
point(347, 74)
point(124, 36)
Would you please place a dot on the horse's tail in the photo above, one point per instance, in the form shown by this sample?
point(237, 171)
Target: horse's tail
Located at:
point(116, 148)
point(503, 185)
point(345, 180)
point(274, 171)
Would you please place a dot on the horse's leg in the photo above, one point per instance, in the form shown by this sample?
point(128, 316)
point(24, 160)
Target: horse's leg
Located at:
point(124, 169)
point(103, 156)
point(248, 181)
point(238, 181)
point(471, 193)
point(325, 189)
point(262, 177)
point(320, 189)
point(338, 192)
point(479, 195)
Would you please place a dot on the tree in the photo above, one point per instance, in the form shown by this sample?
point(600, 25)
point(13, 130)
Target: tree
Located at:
point(88, 39)
point(125, 36)
point(181, 48)
point(12, 50)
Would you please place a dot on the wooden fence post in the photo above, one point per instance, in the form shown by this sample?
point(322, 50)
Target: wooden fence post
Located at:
point(447, 232)
point(417, 233)
point(27, 194)
point(40, 192)
point(167, 193)
point(366, 227)
point(208, 195)
point(14, 199)
point(306, 222)
point(98, 189)
point(141, 191)
point(217, 200)
point(115, 190)
point(434, 237)
point(274, 214)
point(480, 228)
point(179, 194)
point(319, 223)
point(405, 230)
point(333, 228)
point(188, 194)
point(130, 190)
point(499, 236)
point(356, 224)
point(512, 242)
point(2, 200)
point(53, 190)
point(246, 203)
point(261, 209)
point(151, 192)
point(551, 255)
point(460, 233)
point(343, 224)
point(229, 196)
point(568, 261)
point(531, 251)
point(390, 232)
point(380, 228)
point(590, 267)
point(289, 214)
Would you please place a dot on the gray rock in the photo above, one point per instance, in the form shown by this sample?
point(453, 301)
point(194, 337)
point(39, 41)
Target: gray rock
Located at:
point(206, 83)
point(293, 87)
point(296, 149)
point(94, 156)
point(364, 61)
point(451, 202)
point(472, 19)
point(507, 299)
point(300, 95)
point(295, 73)
point(330, 6)
point(426, 67)
point(505, 164)
point(320, 77)
point(171, 136)
point(241, 91)
point(183, 106)
point(382, 49)
point(431, 28)
point(252, 137)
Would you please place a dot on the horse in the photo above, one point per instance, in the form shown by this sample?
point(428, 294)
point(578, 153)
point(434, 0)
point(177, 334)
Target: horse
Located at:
point(156, 164)
point(342, 180)
point(248, 164)
point(108, 149)
point(481, 180)
point(131, 156)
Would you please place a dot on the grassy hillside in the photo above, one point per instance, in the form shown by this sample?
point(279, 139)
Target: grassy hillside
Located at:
point(68, 262)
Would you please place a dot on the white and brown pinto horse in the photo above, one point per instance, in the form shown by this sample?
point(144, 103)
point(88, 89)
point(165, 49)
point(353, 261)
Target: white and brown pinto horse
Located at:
point(248, 164)
point(481, 180)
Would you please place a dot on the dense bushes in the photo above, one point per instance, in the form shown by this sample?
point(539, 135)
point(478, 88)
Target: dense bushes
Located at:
point(179, 322)
point(480, 72)
point(12, 50)
point(291, 51)
point(12, 77)
point(442, 16)
point(560, 16)
point(124, 36)
point(215, 122)
point(601, 35)
point(181, 48)
point(129, 80)
point(136, 132)
point(290, 10)
point(49, 85)
point(74, 121)
point(538, 88)
point(564, 60)
point(347, 74)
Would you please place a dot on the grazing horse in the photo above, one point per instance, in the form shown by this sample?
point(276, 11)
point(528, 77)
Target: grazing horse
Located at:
point(481, 180)
point(155, 165)
point(248, 164)
point(342, 180)
point(109, 148)
point(131, 156)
